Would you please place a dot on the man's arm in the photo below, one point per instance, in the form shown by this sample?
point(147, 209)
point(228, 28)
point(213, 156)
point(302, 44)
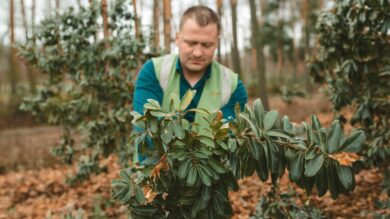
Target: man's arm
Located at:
point(146, 87)
point(238, 96)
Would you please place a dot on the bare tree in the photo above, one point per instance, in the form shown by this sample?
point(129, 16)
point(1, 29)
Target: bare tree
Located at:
point(260, 60)
point(167, 24)
point(156, 24)
point(29, 72)
point(234, 46)
point(13, 71)
point(24, 18)
point(106, 33)
point(137, 20)
point(11, 21)
point(33, 17)
point(219, 11)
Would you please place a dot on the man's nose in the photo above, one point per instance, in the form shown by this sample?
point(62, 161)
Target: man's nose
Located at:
point(197, 51)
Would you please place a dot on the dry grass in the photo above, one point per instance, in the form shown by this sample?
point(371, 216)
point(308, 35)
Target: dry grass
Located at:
point(27, 148)
point(301, 108)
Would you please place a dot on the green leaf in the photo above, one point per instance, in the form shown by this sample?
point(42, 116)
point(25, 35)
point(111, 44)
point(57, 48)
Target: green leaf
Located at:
point(184, 168)
point(178, 130)
point(206, 193)
point(354, 142)
point(218, 206)
point(207, 141)
point(321, 181)
point(258, 109)
point(139, 194)
point(152, 105)
point(278, 134)
point(250, 123)
point(203, 176)
point(192, 176)
point(315, 123)
point(314, 165)
point(187, 98)
point(262, 168)
point(270, 119)
point(199, 110)
point(333, 180)
point(296, 167)
point(174, 102)
point(144, 210)
point(287, 126)
point(334, 137)
point(345, 176)
point(254, 149)
point(232, 145)
point(158, 113)
point(217, 167)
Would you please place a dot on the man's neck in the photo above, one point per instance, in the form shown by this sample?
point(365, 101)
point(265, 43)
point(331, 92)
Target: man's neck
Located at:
point(193, 77)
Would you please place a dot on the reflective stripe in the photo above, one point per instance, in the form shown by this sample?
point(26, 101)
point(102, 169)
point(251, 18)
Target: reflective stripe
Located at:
point(226, 85)
point(166, 67)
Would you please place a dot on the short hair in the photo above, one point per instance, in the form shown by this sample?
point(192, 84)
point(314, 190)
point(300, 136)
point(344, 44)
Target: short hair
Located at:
point(202, 15)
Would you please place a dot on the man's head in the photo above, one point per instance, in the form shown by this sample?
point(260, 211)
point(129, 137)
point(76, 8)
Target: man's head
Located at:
point(197, 38)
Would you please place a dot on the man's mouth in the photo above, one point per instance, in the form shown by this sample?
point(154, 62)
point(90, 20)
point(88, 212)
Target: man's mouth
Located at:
point(196, 62)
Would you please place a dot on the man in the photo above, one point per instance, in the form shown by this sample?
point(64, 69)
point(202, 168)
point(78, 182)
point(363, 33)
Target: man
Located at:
point(217, 87)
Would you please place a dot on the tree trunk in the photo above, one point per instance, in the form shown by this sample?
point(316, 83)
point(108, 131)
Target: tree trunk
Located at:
point(260, 60)
point(167, 25)
point(219, 11)
point(30, 75)
point(156, 25)
point(235, 52)
point(57, 4)
point(33, 17)
point(306, 39)
point(137, 20)
point(13, 71)
point(24, 19)
point(106, 33)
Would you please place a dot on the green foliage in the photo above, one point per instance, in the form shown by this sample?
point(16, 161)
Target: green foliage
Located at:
point(89, 86)
point(354, 60)
point(283, 205)
point(190, 169)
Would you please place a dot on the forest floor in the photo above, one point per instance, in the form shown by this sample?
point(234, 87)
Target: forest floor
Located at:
point(32, 183)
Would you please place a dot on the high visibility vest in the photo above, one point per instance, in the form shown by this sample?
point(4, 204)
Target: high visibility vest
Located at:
point(216, 91)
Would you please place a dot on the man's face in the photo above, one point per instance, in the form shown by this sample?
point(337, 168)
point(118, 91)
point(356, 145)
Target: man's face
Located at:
point(196, 45)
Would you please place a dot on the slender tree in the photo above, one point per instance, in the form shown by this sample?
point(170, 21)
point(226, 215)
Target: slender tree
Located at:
point(33, 17)
point(156, 24)
point(106, 33)
point(234, 46)
point(167, 24)
point(30, 75)
point(219, 11)
point(24, 18)
point(11, 21)
point(260, 60)
point(57, 4)
point(13, 73)
point(136, 20)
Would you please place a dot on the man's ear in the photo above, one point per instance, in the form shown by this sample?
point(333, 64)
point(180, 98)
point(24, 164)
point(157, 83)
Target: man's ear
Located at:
point(177, 36)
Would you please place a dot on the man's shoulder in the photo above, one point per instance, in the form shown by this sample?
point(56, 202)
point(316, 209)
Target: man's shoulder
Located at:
point(162, 57)
point(224, 68)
